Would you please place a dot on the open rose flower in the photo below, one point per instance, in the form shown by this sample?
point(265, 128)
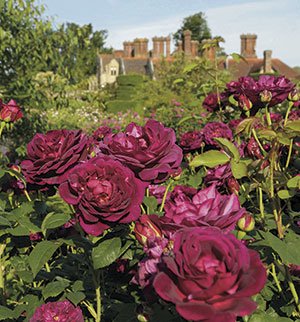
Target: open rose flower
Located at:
point(10, 112)
point(212, 102)
point(210, 276)
point(189, 208)
point(216, 130)
point(191, 141)
point(50, 156)
point(103, 192)
point(150, 151)
point(57, 311)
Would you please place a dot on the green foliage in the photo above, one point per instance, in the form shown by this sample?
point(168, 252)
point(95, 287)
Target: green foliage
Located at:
point(197, 24)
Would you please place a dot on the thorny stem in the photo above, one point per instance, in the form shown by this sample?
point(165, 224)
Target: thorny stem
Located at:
point(261, 203)
point(273, 273)
point(277, 215)
point(98, 295)
point(2, 272)
point(289, 154)
point(287, 113)
point(165, 197)
point(292, 289)
point(258, 142)
point(268, 117)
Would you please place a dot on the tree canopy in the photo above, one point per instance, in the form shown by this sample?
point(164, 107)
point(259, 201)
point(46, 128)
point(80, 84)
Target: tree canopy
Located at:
point(197, 24)
point(29, 44)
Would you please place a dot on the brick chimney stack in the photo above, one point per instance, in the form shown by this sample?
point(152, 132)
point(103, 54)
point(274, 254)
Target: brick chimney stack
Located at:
point(144, 47)
point(128, 47)
point(187, 34)
point(137, 47)
point(209, 52)
point(194, 47)
point(268, 62)
point(155, 51)
point(168, 46)
point(161, 46)
point(248, 43)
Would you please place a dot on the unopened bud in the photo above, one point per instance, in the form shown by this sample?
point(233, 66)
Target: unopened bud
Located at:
point(233, 186)
point(16, 168)
point(177, 174)
point(294, 95)
point(145, 228)
point(265, 96)
point(246, 223)
point(244, 103)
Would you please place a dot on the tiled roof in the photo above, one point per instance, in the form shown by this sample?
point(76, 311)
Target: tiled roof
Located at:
point(135, 65)
point(255, 65)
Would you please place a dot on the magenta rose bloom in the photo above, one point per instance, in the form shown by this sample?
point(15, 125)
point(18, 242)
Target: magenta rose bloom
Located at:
point(10, 112)
point(218, 175)
point(191, 141)
point(216, 130)
point(52, 155)
point(150, 151)
point(100, 133)
point(103, 192)
point(207, 207)
point(57, 311)
point(210, 277)
point(212, 103)
point(280, 87)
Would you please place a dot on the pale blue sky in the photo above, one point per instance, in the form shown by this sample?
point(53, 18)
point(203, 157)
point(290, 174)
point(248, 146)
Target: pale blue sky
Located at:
point(276, 22)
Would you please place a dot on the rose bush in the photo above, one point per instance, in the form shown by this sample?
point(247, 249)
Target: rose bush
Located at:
point(104, 192)
point(10, 112)
point(210, 276)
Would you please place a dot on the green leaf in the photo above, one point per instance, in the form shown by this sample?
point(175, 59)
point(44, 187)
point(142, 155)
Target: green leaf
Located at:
point(283, 138)
point(6, 313)
point(4, 222)
point(266, 134)
point(106, 252)
point(294, 183)
point(289, 252)
point(188, 68)
point(209, 159)
point(239, 169)
point(195, 180)
point(54, 288)
point(285, 194)
point(264, 317)
point(245, 125)
point(76, 297)
point(294, 125)
point(151, 203)
point(229, 148)
point(53, 220)
point(40, 255)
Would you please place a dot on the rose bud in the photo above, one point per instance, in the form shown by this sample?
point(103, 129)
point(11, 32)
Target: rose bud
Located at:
point(233, 186)
point(294, 95)
point(246, 223)
point(176, 174)
point(244, 103)
point(10, 112)
point(16, 168)
point(265, 96)
point(145, 228)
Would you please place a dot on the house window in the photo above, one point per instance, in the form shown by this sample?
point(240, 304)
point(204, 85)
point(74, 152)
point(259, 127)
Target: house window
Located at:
point(113, 71)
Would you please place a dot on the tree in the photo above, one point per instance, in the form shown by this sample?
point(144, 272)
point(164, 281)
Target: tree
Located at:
point(197, 24)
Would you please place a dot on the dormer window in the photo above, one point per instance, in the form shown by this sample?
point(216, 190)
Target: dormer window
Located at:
point(113, 71)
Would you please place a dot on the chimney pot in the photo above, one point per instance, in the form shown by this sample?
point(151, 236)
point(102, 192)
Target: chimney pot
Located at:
point(268, 62)
point(248, 43)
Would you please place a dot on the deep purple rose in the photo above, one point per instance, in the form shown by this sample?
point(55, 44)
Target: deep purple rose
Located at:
point(57, 311)
point(218, 175)
point(210, 276)
point(216, 130)
point(100, 133)
point(191, 141)
point(103, 192)
point(10, 112)
point(212, 102)
point(271, 90)
point(206, 207)
point(52, 155)
point(280, 87)
point(158, 192)
point(294, 115)
point(150, 151)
